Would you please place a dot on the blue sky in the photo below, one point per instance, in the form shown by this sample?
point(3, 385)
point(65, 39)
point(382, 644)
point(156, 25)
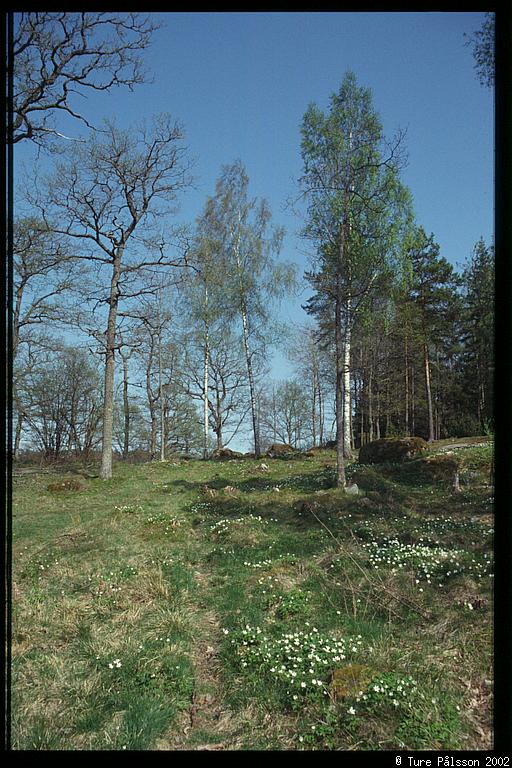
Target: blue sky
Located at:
point(241, 82)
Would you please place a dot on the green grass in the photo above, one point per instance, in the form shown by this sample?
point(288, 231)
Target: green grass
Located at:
point(166, 608)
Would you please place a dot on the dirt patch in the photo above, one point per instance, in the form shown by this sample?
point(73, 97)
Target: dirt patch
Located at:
point(207, 714)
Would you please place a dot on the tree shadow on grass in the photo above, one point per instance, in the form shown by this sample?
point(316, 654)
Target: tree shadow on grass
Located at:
point(321, 480)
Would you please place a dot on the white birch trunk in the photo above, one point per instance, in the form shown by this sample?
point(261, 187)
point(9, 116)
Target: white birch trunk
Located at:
point(243, 312)
point(347, 400)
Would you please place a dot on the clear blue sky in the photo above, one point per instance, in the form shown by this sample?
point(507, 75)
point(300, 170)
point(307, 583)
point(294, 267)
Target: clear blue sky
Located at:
point(241, 82)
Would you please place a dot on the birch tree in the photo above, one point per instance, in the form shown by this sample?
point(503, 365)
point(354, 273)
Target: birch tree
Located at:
point(356, 212)
point(254, 279)
point(482, 42)
point(205, 304)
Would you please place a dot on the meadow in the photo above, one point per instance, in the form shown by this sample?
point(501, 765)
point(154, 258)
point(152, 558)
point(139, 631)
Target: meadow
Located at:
point(250, 605)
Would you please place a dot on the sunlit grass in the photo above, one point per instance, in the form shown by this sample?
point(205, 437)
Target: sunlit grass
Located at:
point(131, 598)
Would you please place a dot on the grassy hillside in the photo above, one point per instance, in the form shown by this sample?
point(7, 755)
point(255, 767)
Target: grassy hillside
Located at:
point(248, 604)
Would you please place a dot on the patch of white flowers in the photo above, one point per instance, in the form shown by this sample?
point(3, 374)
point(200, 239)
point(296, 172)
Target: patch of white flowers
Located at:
point(168, 523)
point(269, 582)
point(429, 563)
point(258, 564)
point(129, 508)
point(200, 506)
point(224, 525)
point(394, 690)
point(301, 660)
point(108, 583)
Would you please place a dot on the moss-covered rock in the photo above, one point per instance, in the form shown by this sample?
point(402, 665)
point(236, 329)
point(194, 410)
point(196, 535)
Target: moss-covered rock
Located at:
point(390, 449)
point(278, 450)
point(350, 680)
point(371, 480)
point(66, 485)
point(438, 468)
point(226, 453)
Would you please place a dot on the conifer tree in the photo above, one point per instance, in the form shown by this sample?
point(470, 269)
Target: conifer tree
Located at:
point(478, 289)
point(435, 307)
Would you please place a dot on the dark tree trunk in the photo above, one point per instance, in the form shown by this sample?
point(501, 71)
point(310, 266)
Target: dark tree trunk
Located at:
point(108, 389)
point(413, 403)
point(340, 467)
point(126, 408)
point(428, 392)
point(17, 435)
point(406, 399)
point(370, 405)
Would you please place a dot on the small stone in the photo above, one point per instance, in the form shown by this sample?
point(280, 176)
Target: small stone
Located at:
point(352, 490)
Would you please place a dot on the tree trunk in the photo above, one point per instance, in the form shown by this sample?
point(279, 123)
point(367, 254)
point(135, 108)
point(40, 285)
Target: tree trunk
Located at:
point(243, 312)
point(437, 399)
point(252, 390)
point(218, 432)
point(377, 419)
point(205, 377)
point(17, 435)
point(347, 402)
point(406, 389)
point(218, 418)
point(413, 408)
point(161, 392)
point(428, 391)
point(154, 430)
point(320, 412)
point(370, 405)
point(361, 427)
point(313, 411)
point(352, 437)
point(16, 319)
point(126, 408)
point(108, 390)
point(478, 399)
point(361, 401)
point(72, 421)
point(151, 404)
point(340, 459)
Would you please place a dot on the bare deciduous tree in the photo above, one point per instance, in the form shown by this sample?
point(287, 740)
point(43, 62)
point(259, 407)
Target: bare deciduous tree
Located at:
point(98, 196)
point(58, 56)
point(42, 271)
point(226, 388)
